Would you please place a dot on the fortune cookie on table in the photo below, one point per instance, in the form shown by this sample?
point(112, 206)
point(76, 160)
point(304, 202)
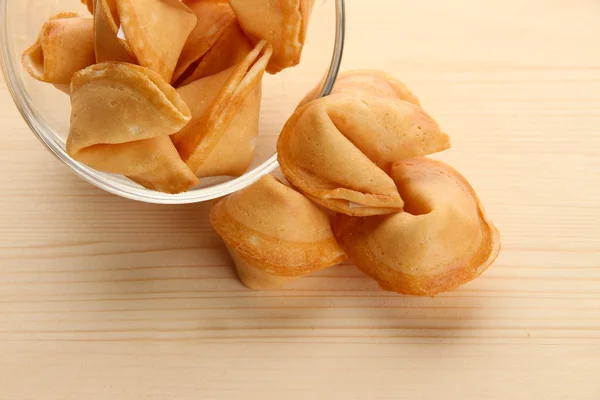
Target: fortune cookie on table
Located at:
point(121, 119)
point(283, 23)
point(367, 82)
point(220, 139)
point(153, 31)
point(442, 240)
point(64, 45)
point(274, 234)
point(230, 49)
point(214, 17)
point(336, 150)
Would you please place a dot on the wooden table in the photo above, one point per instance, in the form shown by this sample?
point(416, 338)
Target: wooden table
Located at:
point(105, 298)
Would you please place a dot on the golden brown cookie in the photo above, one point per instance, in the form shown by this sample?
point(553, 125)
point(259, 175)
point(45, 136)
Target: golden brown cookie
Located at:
point(336, 150)
point(214, 17)
point(156, 31)
point(121, 119)
point(149, 32)
point(442, 240)
point(230, 49)
point(225, 107)
point(109, 43)
point(274, 234)
point(64, 45)
point(283, 23)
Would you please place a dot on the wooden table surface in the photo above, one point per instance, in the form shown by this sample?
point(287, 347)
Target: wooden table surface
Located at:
point(105, 298)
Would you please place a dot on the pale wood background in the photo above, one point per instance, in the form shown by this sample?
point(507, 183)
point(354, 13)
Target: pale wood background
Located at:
point(104, 298)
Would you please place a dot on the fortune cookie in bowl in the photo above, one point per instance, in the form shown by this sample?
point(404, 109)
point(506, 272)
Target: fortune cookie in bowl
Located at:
point(442, 240)
point(152, 31)
point(230, 49)
point(64, 45)
point(121, 119)
point(109, 41)
point(274, 234)
point(283, 23)
point(214, 18)
point(336, 149)
point(220, 139)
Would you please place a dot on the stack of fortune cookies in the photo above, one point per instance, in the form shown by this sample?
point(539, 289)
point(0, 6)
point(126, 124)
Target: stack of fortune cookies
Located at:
point(359, 159)
point(166, 92)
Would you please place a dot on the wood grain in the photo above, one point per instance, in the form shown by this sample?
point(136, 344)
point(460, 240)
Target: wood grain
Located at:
point(104, 298)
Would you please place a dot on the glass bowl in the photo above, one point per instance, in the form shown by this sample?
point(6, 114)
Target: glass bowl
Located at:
point(46, 110)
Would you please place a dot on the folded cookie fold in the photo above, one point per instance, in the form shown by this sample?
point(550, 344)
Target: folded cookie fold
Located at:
point(228, 50)
point(151, 32)
point(274, 234)
point(336, 150)
point(64, 45)
point(214, 17)
point(121, 119)
point(220, 139)
point(283, 23)
point(109, 44)
point(157, 30)
point(442, 240)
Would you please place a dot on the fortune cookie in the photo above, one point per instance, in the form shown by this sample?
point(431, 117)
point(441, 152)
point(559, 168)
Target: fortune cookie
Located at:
point(64, 45)
point(214, 17)
point(336, 150)
point(274, 234)
point(220, 139)
point(442, 240)
point(367, 82)
point(109, 43)
point(153, 31)
point(283, 23)
point(230, 49)
point(121, 119)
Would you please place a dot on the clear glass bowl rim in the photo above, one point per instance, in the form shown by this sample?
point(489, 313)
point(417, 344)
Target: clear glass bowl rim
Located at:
point(17, 91)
